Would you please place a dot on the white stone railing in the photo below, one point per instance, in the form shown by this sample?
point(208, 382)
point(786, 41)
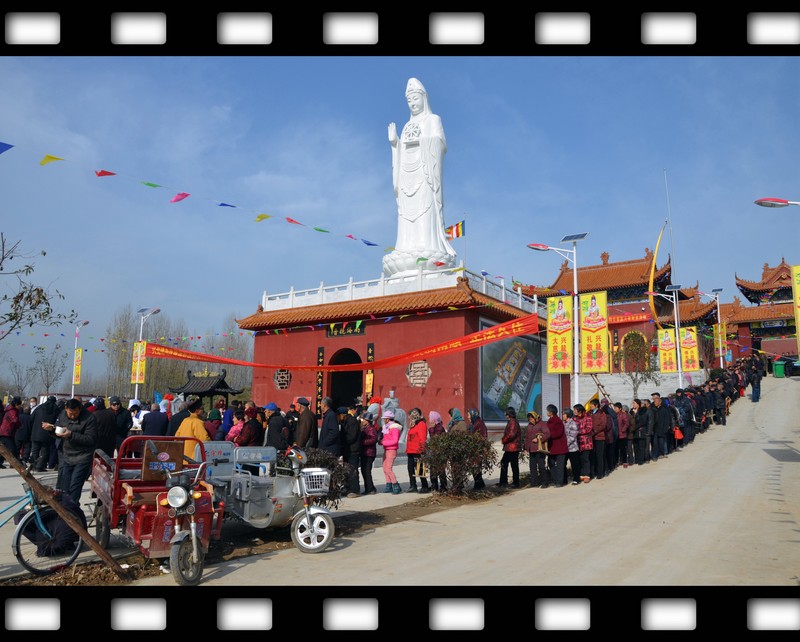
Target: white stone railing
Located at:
point(383, 286)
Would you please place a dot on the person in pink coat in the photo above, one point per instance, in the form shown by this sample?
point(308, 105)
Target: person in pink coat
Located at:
point(391, 440)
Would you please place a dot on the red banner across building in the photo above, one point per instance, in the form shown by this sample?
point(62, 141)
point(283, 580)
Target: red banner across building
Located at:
point(517, 327)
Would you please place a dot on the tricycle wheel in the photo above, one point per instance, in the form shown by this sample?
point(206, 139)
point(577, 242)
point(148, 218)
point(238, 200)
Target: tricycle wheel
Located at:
point(102, 525)
point(314, 537)
point(185, 571)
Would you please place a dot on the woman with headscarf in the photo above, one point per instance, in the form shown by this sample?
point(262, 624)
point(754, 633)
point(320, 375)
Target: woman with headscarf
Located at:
point(478, 427)
point(573, 448)
point(369, 441)
point(537, 438)
point(391, 440)
point(456, 422)
point(436, 427)
point(213, 422)
point(417, 437)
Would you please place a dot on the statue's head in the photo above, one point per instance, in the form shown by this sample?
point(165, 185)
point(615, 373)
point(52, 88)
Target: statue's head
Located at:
point(417, 97)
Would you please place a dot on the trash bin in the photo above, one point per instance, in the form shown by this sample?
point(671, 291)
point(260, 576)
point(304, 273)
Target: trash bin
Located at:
point(778, 368)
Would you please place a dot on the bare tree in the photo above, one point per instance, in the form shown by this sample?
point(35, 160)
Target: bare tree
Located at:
point(635, 362)
point(21, 377)
point(25, 303)
point(50, 367)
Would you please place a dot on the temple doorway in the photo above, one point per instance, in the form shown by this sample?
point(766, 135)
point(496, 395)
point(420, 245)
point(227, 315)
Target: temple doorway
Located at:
point(345, 387)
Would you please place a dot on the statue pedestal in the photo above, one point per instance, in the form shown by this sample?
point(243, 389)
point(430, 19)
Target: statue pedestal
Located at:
point(402, 263)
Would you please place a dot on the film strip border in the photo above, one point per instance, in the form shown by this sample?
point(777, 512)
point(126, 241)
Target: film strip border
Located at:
point(423, 610)
point(400, 31)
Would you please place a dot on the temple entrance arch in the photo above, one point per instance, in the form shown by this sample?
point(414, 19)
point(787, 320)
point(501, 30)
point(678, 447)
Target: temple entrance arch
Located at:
point(345, 387)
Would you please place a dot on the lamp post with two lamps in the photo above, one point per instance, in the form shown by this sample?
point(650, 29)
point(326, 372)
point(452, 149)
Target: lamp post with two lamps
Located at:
point(721, 346)
point(674, 298)
point(78, 327)
point(144, 313)
point(570, 255)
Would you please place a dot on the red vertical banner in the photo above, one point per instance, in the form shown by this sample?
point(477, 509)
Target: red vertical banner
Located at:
point(594, 332)
point(559, 335)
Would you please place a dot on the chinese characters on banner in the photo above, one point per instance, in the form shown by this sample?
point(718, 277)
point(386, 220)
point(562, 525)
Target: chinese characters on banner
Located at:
point(76, 373)
point(137, 367)
point(690, 356)
point(559, 335)
point(720, 346)
point(594, 332)
point(796, 301)
point(667, 355)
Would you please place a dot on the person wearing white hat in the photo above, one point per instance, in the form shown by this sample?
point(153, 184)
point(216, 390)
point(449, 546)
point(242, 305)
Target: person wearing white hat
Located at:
point(391, 440)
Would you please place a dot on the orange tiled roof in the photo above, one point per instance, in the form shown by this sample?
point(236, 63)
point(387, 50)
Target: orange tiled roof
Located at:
point(604, 276)
point(737, 313)
point(771, 278)
point(460, 296)
point(689, 310)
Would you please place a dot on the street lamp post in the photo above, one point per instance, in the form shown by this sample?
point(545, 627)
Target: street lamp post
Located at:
point(78, 327)
point(775, 202)
point(570, 255)
point(674, 298)
point(721, 346)
point(144, 313)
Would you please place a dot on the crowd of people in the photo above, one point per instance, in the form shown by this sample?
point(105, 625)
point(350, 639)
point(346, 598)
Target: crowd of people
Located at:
point(574, 445)
point(581, 444)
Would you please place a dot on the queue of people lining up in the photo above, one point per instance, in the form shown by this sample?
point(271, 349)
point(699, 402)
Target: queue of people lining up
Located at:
point(580, 444)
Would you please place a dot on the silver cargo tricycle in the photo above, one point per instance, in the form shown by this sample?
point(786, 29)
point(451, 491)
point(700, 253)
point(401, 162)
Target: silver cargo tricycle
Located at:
point(257, 491)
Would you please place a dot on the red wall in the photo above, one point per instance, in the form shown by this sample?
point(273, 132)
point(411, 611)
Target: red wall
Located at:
point(453, 382)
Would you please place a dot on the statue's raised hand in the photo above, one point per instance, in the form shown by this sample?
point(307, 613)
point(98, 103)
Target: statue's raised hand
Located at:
point(393, 134)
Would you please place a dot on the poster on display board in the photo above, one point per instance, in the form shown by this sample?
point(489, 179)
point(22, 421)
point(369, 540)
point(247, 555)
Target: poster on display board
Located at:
point(511, 375)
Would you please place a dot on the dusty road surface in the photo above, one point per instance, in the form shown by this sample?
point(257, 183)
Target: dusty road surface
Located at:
point(725, 511)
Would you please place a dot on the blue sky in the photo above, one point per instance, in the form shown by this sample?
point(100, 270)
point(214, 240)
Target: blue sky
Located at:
point(538, 147)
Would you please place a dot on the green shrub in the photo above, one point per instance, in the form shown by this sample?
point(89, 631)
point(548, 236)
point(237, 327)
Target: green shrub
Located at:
point(459, 454)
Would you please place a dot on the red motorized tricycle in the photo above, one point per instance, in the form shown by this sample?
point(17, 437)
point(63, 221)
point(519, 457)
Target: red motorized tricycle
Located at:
point(159, 500)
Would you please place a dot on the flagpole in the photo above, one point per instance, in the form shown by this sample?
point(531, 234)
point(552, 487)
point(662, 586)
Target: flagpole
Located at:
point(465, 241)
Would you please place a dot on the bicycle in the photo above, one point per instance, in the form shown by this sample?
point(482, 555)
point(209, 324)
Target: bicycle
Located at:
point(42, 543)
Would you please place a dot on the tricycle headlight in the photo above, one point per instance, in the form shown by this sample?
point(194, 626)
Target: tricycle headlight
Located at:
point(177, 496)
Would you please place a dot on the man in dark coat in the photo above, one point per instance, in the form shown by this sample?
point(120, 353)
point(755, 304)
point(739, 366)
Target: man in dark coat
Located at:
point(306, 434)
point(41, 439)
point(123, 418)
point(79, 438)
point(329, 439)
point(106, 427)
point(662, 425)
point(177, 419)
point(350, 434)
point(155, 422)
point(277, 428)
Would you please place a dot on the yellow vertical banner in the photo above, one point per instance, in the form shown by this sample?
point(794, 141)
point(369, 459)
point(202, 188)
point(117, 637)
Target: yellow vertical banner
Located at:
point(559, 335)
point(594, 332)
point(138, 365)
point(76, 372)
point(796, 300)
point(690, 355)
point(720, 345)
point(667, 355)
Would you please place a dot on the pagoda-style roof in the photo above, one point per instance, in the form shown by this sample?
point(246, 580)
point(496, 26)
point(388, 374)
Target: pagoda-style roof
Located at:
point(606, 276)
point(459, 296)
point(691, 309)
point(735, 313)
point(775, 284)
point(206, 384)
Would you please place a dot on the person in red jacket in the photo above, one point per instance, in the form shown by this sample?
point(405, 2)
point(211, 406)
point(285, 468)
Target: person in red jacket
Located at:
point(415, 445)
point(512, 444)
point(8, 427)
point(599, 437)
point(558, 447)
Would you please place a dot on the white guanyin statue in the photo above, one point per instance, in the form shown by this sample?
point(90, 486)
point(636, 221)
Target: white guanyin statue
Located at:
point(417, 167)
